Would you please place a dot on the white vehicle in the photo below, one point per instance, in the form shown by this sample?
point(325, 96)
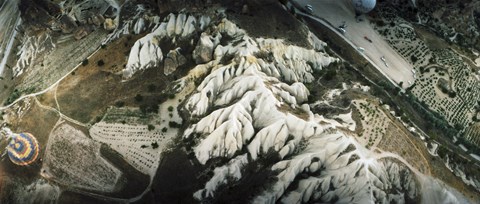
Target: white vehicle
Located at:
point(361, 49)
point(382, 58)
point(413, 71)
point(309, 8)
point(342, 30)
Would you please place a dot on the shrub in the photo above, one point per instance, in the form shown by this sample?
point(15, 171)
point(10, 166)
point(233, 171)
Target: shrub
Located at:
point(100, 63)
point(13, 96)
point(153, 108)
point(413, 58)
point(380, 23)
point(85, 62)
point(164, 129)
point(144, 108)
point(170, 109)
point(154, 145)
point(452, 94)
point(138, 98)
point(151, 88)
point(119, 104)
point(330, 74)
point(150, 127)
point(173, 124)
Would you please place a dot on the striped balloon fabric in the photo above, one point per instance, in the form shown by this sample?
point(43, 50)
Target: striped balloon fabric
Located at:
point(23, 149)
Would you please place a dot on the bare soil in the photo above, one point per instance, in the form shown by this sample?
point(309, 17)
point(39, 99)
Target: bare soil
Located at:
point(275, 23)
point(87, 94)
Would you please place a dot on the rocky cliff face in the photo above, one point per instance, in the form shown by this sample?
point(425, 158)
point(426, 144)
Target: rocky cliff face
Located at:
point(250, 106)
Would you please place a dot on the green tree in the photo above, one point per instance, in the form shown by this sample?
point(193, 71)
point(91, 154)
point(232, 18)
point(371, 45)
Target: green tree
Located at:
point(154, 145)
point(150, 127)
point(138, 98)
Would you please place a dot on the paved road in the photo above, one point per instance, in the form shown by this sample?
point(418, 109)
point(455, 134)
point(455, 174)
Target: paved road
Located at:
point(9, 20)
point(335, 12)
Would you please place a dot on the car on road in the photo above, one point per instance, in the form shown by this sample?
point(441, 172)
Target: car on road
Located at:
point(368, 39)
point(361, 49)
point(309, 9)
point(384, 61)
point(342, 30)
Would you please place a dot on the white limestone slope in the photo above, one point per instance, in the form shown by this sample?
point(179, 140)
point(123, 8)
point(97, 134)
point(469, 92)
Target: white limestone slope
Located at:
point(146, 52)
point(30, 47)
point(253, 105)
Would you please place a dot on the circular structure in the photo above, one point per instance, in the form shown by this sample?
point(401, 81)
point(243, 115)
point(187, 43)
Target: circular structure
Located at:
point(363, 6)
point(23, 149)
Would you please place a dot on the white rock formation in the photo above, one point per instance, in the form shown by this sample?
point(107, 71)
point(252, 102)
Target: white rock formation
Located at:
point(30, 47)
point(204, 50)
point(230, 171)
point(245, 110)
point(173, 60)
point(146, 52)
point(139, 26)
point(317, 44)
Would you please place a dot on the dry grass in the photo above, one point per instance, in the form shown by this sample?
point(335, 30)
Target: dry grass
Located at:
point(399, 141)
point(48, 98)
point(275, 23)
point(87, 94)
point(412, 149)
point(432, 41)
point(300, 113)
point(39, 123)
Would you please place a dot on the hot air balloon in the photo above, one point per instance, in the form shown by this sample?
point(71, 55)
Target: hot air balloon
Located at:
point(23, 149)
point(363, 6)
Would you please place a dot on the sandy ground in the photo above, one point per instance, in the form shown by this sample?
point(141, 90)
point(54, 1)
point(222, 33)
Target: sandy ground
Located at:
point(374, 123)
point(71, 153)
point(335, 12)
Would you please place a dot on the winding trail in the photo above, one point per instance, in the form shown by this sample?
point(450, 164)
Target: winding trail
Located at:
point(63, 116)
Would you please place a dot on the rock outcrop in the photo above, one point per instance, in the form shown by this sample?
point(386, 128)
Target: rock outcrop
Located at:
point(109, 24)
point(173, 60)
point(146, 52)
point(251, 104)
point(204, 50)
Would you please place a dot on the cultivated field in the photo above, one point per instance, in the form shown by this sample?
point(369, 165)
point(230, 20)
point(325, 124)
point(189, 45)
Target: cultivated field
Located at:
point(73, 159)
